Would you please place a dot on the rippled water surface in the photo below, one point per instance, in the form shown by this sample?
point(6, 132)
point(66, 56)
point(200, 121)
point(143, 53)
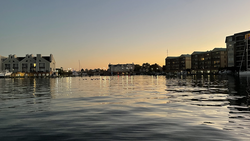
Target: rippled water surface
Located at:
point(125, 108)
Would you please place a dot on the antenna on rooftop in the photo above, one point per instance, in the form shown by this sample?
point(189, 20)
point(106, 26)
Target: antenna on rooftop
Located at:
point(79, 65)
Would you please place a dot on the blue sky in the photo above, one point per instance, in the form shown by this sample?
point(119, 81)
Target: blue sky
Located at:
point(99, 32)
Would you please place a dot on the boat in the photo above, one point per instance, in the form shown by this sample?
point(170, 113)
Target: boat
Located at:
point(243, 73)
point(6, 73)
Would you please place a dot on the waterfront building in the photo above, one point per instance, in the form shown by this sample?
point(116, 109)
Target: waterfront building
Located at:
point(230, 50)
point(170, 62)
point(29, 63)
point(121, 68)
point(2, 58)
point(209, 61)
point(219, 58)
point(238, 50)
point(178, 64)
point(197, 59)
point(185, 62)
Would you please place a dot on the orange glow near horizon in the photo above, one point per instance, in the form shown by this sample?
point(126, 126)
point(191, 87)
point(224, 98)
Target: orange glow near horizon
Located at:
point(101, 32)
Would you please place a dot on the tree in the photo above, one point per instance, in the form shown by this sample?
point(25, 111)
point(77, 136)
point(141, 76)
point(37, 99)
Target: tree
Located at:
point(145, 67)
point(137, 68)
point(155, 68)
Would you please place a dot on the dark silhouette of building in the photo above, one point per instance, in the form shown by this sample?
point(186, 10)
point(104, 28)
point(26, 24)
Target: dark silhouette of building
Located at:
point(209, 61)
point(238, 50)
point(178, 64)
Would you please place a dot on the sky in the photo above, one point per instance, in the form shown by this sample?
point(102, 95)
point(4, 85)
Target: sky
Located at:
point(91, 34)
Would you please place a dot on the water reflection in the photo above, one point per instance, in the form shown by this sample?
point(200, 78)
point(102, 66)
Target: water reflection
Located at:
point(26, 94)
point(229, 95)
point(125, 108)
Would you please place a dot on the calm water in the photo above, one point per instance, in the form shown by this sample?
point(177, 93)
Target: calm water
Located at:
point(125, 108)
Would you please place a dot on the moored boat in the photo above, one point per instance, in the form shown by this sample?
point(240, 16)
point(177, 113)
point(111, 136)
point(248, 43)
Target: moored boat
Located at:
point(5, 74)
point(244, 73)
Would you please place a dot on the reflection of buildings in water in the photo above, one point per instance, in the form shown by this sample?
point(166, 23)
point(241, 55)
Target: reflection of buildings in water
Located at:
point(154, 80)
point(239, 103)
point(246, 81)
point(53, 83)
point(63, 86)
point(33, 93)
point(123, 80)
point(42, 92)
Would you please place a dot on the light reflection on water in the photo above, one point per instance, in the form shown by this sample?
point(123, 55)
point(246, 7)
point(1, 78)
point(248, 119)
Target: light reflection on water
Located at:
point(125, 108)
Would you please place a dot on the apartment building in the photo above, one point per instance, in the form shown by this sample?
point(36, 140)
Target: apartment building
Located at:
point(121, 68)
point(238, 50)
point(198, 59)
point(178, 64)
point(219, 58)
point(230, 50)
point(185, 62)
point(170, 62)
point(2, 58)
point(29, 63)
point(209, 61)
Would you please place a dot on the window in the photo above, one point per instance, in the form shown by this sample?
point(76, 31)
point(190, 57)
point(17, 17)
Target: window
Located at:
point(24, 65)
point(7, 66)
point(15, 66)
point(42, 65)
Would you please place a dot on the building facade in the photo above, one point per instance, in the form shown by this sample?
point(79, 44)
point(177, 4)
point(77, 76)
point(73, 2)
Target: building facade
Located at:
point(178, 64)
point(121, 68)
point(230, 50)
point(29, 63)
point(238, 50)
point(197, 59)
point(2, 58)
point(170, 62)
point(209, 61)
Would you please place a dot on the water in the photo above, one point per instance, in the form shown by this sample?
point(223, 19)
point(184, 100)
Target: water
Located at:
point(125, 108)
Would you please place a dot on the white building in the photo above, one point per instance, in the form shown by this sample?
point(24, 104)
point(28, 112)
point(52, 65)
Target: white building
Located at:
point(29, 63)
point(2, 58)
point(122, 67)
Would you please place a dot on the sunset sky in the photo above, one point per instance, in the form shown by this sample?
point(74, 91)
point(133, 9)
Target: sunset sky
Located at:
point(99, 32)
